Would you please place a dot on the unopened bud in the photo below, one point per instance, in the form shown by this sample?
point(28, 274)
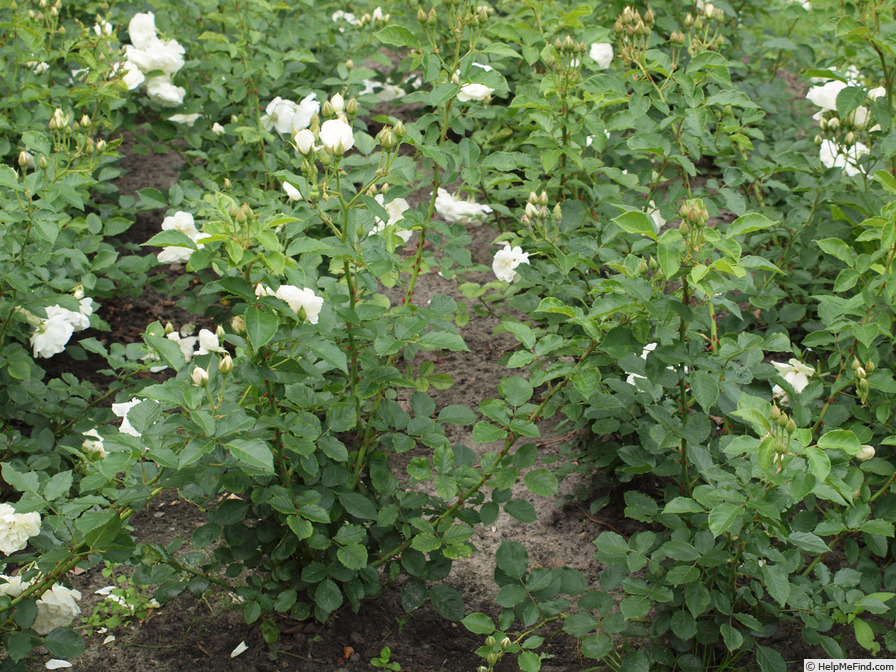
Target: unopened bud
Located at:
point(85, 120)
point(169, 328)
point(400, 130)
point(782, 420)
point(684, 228)
point(850, 138)
point(688, 20)
point(386, 138)
point(238, 324)
point(866, 452)
point(42, 162)
point(432, 18)
point(26, 160)
point(791, 426)
point(775, 412)
point(531, 210)
point(337, 102)
point(225, 366)
point(199, 376)
point(870, 367)
point(327, 109)
point(819, 139)
point(558, 214)
point(834, 124)
point(241, 215)
point(506, 643)
point(491, 659)
point(227, 183)
point(861, 373)
point(490, 641)
point(421, 15)
point(352, 106)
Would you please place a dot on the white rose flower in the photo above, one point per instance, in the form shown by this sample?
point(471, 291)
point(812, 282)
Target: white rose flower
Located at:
point(132, 76)
point(160, 90)
point(304, 140)
point(38, 67)
point(336, 136)
point(55, 609)
point(833, 155)
point(199, 376)
point(602, 54)
point(395, 208)
point(287, 116)
point(183, 222)
point(263, 290)
point(507, 260)
point(825, 96)
point(13, 586)
point(794, 372)
point(186, 343)
point(632, 377)
point(654, 213)
point(158, 55)
point(877, 92)
point(452, 209)
point(208, 342)
point(301, 299)
point(16, 528)
point(188, 119)
point(348, 17)
point(142, 29)
point(472, 91)
point(52, 336)
point(94, 446)
point(292, 193)
point(121, 410)
point(217, 128)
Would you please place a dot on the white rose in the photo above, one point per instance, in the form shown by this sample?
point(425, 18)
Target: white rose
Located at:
point(826, 96)
point(866, 452)
point(304, 140)
point(336, 136)
point(105, 28)
point(833, 155)
point(165, 56)
point(217, 128)
point(602, 54)
point(452, 209)
point(301, 299)
point(121, 410)
point(16, 528)
point(52, 336)
point(794, 372)
point(287, 116)
point(160, 90)
point(188, 119)
point(142, 29)
point(94, 445)
point(183, 222)
point(132, 77)
point(507, 260)
point(292, 193)
point(55, 609)
point(13, 586)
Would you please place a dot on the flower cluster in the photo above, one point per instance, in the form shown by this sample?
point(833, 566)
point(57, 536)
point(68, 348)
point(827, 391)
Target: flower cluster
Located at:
point(452, 209)
point(842, 150)
point(506, 261)
point(55, 609)
point(183, 222)
point(53, 332)
point(16, 528)
point(298, 299)
point(148, 54)
point(190, 346)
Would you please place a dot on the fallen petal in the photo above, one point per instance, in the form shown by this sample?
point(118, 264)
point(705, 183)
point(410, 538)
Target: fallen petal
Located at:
point(241, 647)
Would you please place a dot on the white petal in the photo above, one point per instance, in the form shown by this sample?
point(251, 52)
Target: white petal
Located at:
point(241, 647)
point(57, 664)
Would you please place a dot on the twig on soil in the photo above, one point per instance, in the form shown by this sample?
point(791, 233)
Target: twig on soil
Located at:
point(599, 522)
point(557, 440)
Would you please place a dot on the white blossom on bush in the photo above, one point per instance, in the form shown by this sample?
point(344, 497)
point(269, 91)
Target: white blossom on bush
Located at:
point(55, 609)
point(160, 90)
point(506, 261)
point(472, 91)
point(646, 350)
point(121, 410)
point(208, 342)
point(794, 372)
point(336, 136)
point(94, 446)
point(188, 119)
point(16, 528)
point(183, 222)
point(602, 54)
point(395, 208)
point(53, 332)
point(292, 193)
point(300, 300)
point(289, 117)
point(142, 29)
point(833, 155)
point(453, 209)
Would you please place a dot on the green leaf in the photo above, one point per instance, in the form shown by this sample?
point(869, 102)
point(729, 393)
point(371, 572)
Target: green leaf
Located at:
point(819, 462)
point(529, 661)
point(64, 643)
point(634, 608)
point(731, 636)
point(752, 221)
point(397, 36)
point(770, 660)
point(285, 600)
point(865, 635)
point(669, 255)
point(300, 527)
point(486, 432)
point(839, 249)
point(478, 623)
point(515, 390)
point(254, 452)
point(848, 99)
point(457, 414)
point(635, 221)
point(327, 596)
point(260, 326)
point(705, 387)
point(776, 583)
point(808, 542)
point(683, 625)
point(512, 558)
point(683, 505)
point(541, 482)
point(22, 482)
point(697, 598)
point(358, 505)
point(842, 439)
point(521, 510)
point(171, 237)
point(722, 517)
point(58, 485)
point(18, 645)
point(447, 602)
point(597, 646)
point(353, 556)
point(612, 548)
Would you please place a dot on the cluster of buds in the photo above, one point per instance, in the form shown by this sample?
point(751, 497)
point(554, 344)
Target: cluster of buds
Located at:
point(59, 121)
point(631, 23)
point(390, 137)
point(785, 426)
point(200, 376)
point(429, 18)
point(569, 46)
point(782, 420)
point(860, 374)
point(241, 214)
point(373, 18)
point(337, 107)
point(536, 208)
point(693, 220)
point(497, 650)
